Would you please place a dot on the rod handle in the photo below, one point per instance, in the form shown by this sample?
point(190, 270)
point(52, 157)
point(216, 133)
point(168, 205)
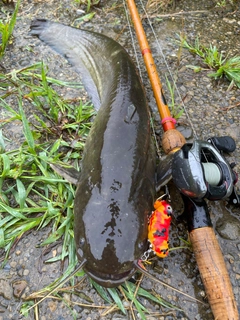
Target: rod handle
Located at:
point(172, 140)
point(214, 274)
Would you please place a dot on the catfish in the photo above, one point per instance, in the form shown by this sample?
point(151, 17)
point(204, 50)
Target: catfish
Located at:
point(116, 183)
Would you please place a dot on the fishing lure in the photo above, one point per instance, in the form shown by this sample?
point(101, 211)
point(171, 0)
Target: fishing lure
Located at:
point(158, 228)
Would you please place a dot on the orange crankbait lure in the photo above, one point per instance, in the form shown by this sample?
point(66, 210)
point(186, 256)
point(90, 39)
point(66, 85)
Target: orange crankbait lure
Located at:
point(158, 228)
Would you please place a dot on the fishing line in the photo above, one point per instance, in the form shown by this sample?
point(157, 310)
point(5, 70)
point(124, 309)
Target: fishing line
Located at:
point(171, 76)
point(140, 73)
point(170, 73)
point(212, 172)
point(169, 70)
point(132, 39)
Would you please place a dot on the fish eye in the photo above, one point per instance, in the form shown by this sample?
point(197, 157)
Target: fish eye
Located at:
point(81, 242)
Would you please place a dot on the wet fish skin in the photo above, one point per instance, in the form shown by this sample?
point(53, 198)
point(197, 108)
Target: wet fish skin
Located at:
point(116, 185)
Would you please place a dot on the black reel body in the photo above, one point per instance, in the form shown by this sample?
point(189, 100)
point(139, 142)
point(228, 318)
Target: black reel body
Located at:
point(200, 171)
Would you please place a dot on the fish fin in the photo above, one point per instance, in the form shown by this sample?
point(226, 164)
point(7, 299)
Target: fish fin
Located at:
point(164, 171)
point(87, 51)
point(68, 173)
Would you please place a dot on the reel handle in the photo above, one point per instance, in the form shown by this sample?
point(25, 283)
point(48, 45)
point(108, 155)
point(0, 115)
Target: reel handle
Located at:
point(210, 260)
point(224, 143)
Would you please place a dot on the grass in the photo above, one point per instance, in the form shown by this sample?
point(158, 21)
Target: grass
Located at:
point(125, 297)
point(223, 3)
point(32, 196)
point(87, 3)
point(176, 109)
point(155, 6)
point(212, 59)
point(25, 171)
point(6, 29)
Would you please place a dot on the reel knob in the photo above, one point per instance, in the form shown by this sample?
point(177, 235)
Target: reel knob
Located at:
point(225, 143)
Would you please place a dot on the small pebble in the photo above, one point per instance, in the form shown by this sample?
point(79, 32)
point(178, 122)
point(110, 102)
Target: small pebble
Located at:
point(5, 289)
point(26, 272)
point(19, 287)
point(13, 264)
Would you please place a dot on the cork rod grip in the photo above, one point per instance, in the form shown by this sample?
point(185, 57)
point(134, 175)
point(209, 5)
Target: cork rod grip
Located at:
point(214, 274)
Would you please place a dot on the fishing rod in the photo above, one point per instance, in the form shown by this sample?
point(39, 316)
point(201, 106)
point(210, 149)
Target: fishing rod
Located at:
point(172, 139)
point(192, 168)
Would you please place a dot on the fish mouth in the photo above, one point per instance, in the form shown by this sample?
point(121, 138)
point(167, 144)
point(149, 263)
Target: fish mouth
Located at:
point(110, 280)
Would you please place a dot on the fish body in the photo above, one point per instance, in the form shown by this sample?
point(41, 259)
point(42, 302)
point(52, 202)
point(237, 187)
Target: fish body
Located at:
point(115, 188)
point(158, 228)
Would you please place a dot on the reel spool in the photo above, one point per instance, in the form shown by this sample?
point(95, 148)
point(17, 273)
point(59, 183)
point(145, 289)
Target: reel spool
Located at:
point(212, 173)
point(200, 171)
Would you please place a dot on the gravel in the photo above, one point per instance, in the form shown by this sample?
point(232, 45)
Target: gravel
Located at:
point(213, 110)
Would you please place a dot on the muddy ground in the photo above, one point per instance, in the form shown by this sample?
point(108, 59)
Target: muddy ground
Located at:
point(213, 110)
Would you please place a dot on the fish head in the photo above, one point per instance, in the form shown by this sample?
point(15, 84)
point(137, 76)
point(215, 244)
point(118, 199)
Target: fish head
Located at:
point(111, 236)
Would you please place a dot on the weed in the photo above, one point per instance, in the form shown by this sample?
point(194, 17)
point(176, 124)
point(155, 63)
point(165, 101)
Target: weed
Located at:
point(125, 297)
point(6, 29)
point(221, 3)
point(32, 196)
point(213, 59)
point(176, 110)
point(224, 3)
point(25, 172)
point(230, 69)
point(86, 17)
point(154, 6)
point(88, 3)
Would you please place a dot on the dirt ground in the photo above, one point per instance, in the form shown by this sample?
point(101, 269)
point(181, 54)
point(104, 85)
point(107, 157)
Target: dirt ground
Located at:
point(213, 110)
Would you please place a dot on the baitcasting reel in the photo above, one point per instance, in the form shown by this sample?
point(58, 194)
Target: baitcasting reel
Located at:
point(200, 171)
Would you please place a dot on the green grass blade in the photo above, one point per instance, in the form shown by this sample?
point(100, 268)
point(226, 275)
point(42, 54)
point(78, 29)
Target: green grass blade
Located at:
point(115, 296)
point(14, 17)
point(10, 110)
point(2, 240)
point(21, 194)
point(26, 129)
point(5, 165)
point(11, 211)
point(6, 30)
point(142, 292)
point(2, 143)
point(101, 291)
point(130, 293)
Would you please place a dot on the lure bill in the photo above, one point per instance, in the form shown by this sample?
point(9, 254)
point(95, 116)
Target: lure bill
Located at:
point(158, 228)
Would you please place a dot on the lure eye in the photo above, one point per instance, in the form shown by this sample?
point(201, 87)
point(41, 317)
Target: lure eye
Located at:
point(169, 210)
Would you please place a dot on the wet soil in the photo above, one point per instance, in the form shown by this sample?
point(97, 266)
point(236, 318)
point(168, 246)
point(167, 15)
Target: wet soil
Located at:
point(213, 110)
